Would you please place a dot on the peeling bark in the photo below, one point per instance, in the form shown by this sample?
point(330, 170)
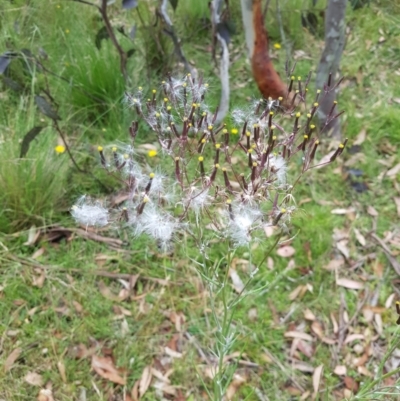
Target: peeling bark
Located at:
point(330, 60)
point(268, 81)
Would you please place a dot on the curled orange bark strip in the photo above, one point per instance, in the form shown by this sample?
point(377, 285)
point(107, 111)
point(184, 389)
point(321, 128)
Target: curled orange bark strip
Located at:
point(268, 81)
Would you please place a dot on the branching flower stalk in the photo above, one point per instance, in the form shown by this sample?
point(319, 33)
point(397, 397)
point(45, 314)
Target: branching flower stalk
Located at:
point(211, 183)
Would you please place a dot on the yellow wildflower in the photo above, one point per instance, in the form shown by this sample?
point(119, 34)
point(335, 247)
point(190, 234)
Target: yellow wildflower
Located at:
point(152, 153)
point(277, 46)
point(59, 149)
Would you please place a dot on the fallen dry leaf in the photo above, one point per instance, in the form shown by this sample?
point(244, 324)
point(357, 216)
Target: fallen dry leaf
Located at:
point(158, 375)
point(360, 138)
point(165, 388)
point(352, 337)
point(308, 315)
point(360, 237)
point(303, 367)
point(61, 369)
point(135, 391)
point(316, 327)
point(269, 231)
point(234, 386)
point(293, 391)
point(316, 380)
point(350, 384)
point(334, 264)
point(305, 348)
point(343, 211)
point(34, 379)
point(173, 354)
point(298, 291)
point(45, 395)
point(334, 323)
point(106, 292)
point(252, 314)
point(378, 324)
point(298, 334)
point(286, 251)
point(38, 280)
point(38, 253)
point(12, 358)
point(78, 307)
point(361, 360)
point(33, 236)
point(394, 171)
point(236, 281)
point(372, 211)
point(328, 340)
point(80, 351)
point(342, 247)
point(145, 381)
point(105, 368)
point(340, 370)
point(389, 301)
point(364, 371)
point(397, 202)
point(351, 284)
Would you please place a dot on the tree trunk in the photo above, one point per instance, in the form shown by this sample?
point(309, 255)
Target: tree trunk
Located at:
point(223, 107)
point(330, 60)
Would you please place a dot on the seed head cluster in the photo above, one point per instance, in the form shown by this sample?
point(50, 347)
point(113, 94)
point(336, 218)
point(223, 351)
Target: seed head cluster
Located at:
point(228, 181)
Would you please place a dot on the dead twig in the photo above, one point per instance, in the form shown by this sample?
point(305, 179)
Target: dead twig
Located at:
point(344, 326)
point(393, 261)
point(283, 368)
point(192, 340)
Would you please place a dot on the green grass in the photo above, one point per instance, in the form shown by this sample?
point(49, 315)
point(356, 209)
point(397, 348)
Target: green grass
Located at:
point(48, 321)
point(31, 192)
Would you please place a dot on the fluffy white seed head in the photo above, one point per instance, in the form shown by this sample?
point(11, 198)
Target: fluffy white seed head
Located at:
point(279, 166)
point(243, 222)
point(198, 199)
point(90, 213)
point(158, 225)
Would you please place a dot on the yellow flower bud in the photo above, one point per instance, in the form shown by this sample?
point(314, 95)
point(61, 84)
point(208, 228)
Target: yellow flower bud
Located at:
point(59, 149)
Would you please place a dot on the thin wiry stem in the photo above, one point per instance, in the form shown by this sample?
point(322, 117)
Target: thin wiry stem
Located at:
point(104, 14)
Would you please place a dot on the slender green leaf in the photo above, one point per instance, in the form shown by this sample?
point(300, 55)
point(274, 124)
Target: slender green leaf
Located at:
point(28, 138)
point(174, 4)
point(46, 108)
